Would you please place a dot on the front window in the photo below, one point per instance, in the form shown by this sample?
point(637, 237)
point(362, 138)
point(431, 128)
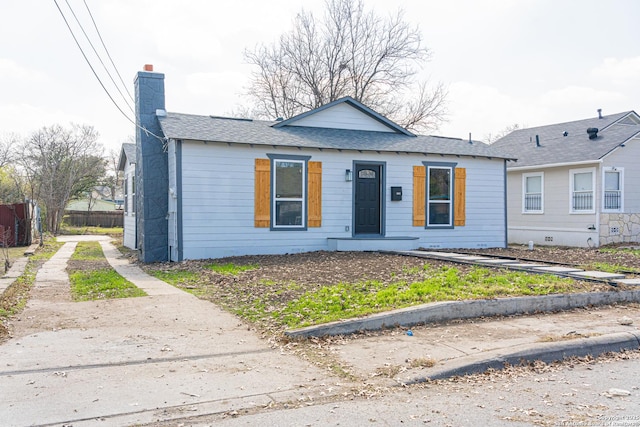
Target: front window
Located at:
point(533, 185)
point(289, 180)
point(582, 191)
point(612, 197)
point(439, 195)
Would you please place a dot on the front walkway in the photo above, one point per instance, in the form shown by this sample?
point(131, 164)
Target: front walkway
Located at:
point(137, 360)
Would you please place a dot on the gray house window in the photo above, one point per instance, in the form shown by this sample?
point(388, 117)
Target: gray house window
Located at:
point(289, 192)
point(440, 181)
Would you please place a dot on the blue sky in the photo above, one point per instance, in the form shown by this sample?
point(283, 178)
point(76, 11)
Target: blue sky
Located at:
point(504, 62)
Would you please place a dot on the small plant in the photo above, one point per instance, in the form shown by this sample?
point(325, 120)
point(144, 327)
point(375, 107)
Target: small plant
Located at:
point(230, 268)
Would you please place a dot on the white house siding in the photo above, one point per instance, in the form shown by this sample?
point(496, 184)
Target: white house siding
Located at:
point(342, 116)
point(624, 226)
point(129, 234)
point(218, 202)
point(172, 217)
point(556, 225)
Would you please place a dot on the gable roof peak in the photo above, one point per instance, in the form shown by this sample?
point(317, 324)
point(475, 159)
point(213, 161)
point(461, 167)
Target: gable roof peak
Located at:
point(353, 103)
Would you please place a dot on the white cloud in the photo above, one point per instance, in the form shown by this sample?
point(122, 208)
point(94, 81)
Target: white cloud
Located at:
point(619, 71)
point(11, 70)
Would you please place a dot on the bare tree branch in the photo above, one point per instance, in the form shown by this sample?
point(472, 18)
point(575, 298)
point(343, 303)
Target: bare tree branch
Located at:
point(349, 52)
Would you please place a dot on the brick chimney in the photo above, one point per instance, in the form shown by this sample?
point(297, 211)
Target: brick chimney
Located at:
point(152, 182)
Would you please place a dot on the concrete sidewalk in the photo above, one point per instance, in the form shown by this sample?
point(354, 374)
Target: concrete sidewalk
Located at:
point(472, 346)
point(138, 360)
point(171, 356)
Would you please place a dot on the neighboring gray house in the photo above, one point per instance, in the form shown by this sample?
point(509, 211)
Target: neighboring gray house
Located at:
point(575, 183)
point(127, 164)
point(340, 177)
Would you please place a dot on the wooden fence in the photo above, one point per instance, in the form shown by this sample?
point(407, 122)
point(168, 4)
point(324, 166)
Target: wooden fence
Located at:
point(94, 219)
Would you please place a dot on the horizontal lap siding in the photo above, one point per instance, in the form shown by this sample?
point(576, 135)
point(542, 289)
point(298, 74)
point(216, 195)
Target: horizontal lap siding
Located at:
point(556, 202)
point(218, 201)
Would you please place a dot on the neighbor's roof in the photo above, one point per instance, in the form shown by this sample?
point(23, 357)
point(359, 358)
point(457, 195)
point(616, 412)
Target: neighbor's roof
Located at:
point(259, 132)
point(575, 147)
point(128, 152)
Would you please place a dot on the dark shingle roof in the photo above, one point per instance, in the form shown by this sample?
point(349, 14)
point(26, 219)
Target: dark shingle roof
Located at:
point(258, 132)
point(128, 152)
point(555, 148)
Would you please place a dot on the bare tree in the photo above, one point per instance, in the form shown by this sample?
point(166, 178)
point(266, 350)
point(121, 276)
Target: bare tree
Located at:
point(491, 138)
point(61, 164)
point(113, 178)
point(8, 144)
point(350, 52)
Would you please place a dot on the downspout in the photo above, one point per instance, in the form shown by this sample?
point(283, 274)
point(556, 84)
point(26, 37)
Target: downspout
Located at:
point(179, 198)
point(506, 222)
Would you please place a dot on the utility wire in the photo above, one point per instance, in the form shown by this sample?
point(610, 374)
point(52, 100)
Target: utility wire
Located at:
point(99, 58)
point(161, 139)
point(107, 51)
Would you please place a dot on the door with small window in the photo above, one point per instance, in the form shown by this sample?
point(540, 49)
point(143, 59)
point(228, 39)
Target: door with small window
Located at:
point(367, 199)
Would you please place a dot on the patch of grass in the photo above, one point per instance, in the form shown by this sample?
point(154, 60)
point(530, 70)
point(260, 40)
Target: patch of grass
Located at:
point(609, 268)
point(88, 251)
point(107, 231)
point(635, 252)
point(230, 268)
point(348, 300)
point(101, 284)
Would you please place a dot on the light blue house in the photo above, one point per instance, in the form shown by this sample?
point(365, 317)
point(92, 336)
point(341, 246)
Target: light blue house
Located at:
point(340, 177)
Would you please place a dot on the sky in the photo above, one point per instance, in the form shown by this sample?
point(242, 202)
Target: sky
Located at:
point(504, 62)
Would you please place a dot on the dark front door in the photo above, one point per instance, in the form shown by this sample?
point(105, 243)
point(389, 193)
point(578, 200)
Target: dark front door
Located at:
point(367, 199)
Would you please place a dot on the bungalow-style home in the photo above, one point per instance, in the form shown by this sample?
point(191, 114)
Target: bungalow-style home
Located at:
point(127, 165)
point(339, 177)
point(575, 183)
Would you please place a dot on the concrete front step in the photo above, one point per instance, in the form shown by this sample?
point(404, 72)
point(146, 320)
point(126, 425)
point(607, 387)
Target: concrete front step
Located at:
point(343, 244)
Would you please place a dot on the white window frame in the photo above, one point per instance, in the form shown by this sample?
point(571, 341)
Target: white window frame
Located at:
point(620, 172)
point(524, 193)
point(451, 168)
point(302, 200)
point(572, 173)
point(132, 193)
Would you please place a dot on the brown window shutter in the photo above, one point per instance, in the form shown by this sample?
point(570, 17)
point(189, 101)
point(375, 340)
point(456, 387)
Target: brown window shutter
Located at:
point(419, 202)
point(315, 194)
point(459, 204)
point(262, 199)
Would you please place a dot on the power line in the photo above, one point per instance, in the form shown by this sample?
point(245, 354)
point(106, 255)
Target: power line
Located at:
point(161, 139)
point(98, 55)
point(107, 51)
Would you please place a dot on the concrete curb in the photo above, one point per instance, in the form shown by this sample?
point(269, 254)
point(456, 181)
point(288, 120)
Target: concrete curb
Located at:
point(545, 352)
point(445, 311)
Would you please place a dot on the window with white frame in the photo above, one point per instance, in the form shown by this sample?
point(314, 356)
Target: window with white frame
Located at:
point(439, 195)
point(582, 190)
point(133, 194)
point(289, 183)
point(612, 189)
point(532, 192)
point(126, 195)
